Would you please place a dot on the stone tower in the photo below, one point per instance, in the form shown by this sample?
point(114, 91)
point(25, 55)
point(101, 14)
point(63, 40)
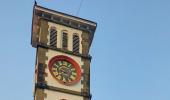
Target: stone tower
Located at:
point(62, 42)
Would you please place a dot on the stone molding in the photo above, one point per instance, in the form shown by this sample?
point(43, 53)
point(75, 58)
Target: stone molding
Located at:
point(48, 15)
point(52, 88)
point(85, 56)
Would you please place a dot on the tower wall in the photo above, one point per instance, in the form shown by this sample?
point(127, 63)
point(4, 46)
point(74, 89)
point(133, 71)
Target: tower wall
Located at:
point(62, 69)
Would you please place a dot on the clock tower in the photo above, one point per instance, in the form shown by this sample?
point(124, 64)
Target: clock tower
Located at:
point(62, 42)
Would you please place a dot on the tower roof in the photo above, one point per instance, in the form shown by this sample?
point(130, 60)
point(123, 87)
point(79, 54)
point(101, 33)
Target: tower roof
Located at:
point(65, 19)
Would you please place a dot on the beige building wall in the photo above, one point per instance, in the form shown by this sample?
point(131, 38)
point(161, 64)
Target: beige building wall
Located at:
point(70, 31)
point(51, 81)
point(59, 96)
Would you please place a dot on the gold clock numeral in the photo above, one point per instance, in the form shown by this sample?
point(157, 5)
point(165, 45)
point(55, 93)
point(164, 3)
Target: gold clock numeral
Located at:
point(70, 79)
point(60, 63)
point(65, 63)
point(73, 77)
point(58, 77)
point(67, 79)
point(69, 66)
point(54, 69)
point(55, 72)
point(55, 65)
point(73, 70)
point(74, 74)
point(61, 78)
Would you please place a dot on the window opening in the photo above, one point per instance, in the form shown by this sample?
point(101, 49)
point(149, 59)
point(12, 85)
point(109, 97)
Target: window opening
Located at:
point(53, 37)
point(65, 40)
point(76, 46)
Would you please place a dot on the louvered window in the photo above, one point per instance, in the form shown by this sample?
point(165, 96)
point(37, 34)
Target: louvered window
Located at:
point(53, 37)
point(65, 40)
point(76, 44)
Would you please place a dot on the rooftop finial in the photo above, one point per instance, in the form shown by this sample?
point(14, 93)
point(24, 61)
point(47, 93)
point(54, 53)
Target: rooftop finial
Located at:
point(35, 2)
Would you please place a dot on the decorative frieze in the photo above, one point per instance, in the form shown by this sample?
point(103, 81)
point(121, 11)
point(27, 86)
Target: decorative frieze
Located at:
point(65, 21)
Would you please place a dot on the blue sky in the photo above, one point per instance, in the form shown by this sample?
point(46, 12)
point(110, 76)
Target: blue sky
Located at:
point(131, 52)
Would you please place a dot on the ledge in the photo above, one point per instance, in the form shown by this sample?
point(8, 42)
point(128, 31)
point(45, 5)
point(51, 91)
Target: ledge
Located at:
point(35, 44)
point(45, 86)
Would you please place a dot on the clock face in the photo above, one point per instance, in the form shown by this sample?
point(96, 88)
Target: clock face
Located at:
point(65, 70)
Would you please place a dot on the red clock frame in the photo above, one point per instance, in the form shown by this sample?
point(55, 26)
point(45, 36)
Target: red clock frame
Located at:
point(70, 60)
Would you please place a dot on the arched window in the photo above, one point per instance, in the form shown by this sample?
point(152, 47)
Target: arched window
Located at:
point(76, 41)
point(53, 37)
point(65, 40)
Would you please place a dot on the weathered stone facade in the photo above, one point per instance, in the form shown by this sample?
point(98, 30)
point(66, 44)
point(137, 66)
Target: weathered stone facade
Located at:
point(45, 85)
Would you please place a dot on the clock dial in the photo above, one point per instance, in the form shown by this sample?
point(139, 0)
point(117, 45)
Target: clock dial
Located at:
point(65, 70)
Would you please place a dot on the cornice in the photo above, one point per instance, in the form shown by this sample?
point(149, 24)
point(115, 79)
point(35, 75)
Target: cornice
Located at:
point(61, 50)
point(66, 20)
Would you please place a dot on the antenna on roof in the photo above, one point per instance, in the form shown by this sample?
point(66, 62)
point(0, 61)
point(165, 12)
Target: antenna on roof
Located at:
point(81, 2)
point(35, 2)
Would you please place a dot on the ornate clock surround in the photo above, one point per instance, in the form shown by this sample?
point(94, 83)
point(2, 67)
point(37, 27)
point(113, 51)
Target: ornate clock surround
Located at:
point(69, 60)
